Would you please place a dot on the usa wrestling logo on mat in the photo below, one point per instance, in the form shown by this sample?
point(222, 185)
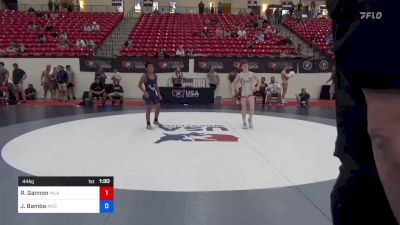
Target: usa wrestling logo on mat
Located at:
point(196, 133)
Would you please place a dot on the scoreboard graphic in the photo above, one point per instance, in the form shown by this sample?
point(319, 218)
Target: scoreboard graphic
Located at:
point(65, 194)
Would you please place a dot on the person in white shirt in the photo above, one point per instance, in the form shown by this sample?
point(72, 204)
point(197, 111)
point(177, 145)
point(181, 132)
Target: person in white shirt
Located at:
point(87, 28)
point(242, 33)
point(95, 27)
point(286, 74)
point(80, 43)
point(180, 51)
point(249, 84)
point(274, 89)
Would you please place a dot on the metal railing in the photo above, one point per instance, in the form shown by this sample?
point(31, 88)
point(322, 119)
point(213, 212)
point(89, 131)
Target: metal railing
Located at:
point(188, 82)
point(192, 10)
point(85, 8)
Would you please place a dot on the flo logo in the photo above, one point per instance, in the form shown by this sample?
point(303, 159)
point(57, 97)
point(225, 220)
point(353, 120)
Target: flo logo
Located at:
point(196, 133)
point(371, 15)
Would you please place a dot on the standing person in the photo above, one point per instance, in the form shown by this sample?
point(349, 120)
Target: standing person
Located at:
point(50, 4)
point(46, 82)
point(53, 82)
point(4, 75)
point(212, 10)
point(71, 82)
point(18, 78)
point(56, 6)
point(213, 78)
point(178, 79)
point(201, 7)
point(286, 74)
point(231, 77)
point(151, 94)
point(77, 6)
point(219, 7)
point(101, 75)
point(249, 83)
point(332, 87)
point(62, 80)
point(368, 109)
point(263, 89)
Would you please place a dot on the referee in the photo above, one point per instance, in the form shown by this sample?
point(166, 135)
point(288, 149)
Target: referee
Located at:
point(367, 190)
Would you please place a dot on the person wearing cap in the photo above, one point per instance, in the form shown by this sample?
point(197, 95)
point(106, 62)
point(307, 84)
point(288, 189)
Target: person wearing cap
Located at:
point(249, 84)
point(62, 80)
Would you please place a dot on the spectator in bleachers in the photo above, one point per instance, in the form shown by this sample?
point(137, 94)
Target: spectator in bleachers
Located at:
point(12, 47)
point(117, 92)
point(201, 7)
point(180, 51)
point(53, 15)
point(219, 7)
point(71, 83)
point(177, 80)
point(274, 89)
point(101, 75)
point(80, 43)
point(213, 78)
point(87, 28)
point(299, 48)
point(95, 27)
point(56, 6)
point(204, 32)
point(116, 76)
point(32, 27)
point(97, 90)
point(62, 81)
point(219, 33)
point(91, 44)
point(303, 98)
point(161, 52)
point(18, 78)
point(250, 44)
point(45, 81)
point(77, 6)
point(190, 51)
point(21, 48)
point(30, 92)
point(42, 39)
point(212, 10)
point(50, 27)
point(50, 5)
point(64, 41)
point(260, 36)
point(128, 44)
point(227, 33)
point(241, 33)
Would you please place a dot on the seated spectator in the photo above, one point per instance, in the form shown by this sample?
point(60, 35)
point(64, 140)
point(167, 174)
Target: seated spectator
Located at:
point(128, 44)
point(190, 51)
point(30, 92)
point(42, 39)
point(303, 98)
point(260, 36)
point(32, 27)
point(97, 90)
point(299, 48)
point(207, 22)
point(12, 47)
point(49, 27)
point(178, 78)
point(31, 10)
point(117, 92)
point(87, 28)
point(53, 15)
point(91, 44)
point(21, 48)
point(227, 33)
point(80, 43)
point(250, 44)
point(241, 33)
point(180, 51)
point(274, 89)
point(161, 52)
point(204, 32)
point(95, 27)
point(219, 33)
